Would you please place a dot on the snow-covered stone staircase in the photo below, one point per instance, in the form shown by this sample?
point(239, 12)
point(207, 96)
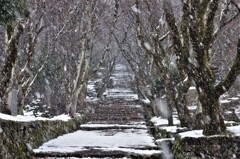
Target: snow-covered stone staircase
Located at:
point(116, 129)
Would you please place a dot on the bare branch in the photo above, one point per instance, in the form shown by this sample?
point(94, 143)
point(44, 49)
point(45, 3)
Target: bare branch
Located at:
point(106, 50)
point(208, 37)
point(227, 82)
point(31, 81)
point(223, 22)
point(164, 36)
point(173, 27)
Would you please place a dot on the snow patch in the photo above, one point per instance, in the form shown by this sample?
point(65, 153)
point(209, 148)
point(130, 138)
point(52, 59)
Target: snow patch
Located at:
point(22, 118)
point(199, 133)
point(165, 139)
point(112, 125)
point(192, 88)
point(146, 101)
point(142, 152)
point(225, 101)
point(235, 130)
point(158, 121)
point(194, 134)
point(112, 138)
point(193, 107)
point(171, 129)
point(234, 98)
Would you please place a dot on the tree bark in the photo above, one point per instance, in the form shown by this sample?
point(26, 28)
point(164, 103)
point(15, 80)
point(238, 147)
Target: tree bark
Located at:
point(12, 37)
point(213, 121)
point(200, 33)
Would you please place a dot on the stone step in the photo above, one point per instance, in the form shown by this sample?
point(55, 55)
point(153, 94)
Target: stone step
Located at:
point(108, 101)
point(91, 126)
point(114, 121)
point(117, 120)
point(116, 114)
point(101, 153)
point(116, 128)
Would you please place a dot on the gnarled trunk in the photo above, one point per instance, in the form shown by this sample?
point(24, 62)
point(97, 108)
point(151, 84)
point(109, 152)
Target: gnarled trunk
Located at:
point(12, 38)
point(213, 123)
point(209, 99)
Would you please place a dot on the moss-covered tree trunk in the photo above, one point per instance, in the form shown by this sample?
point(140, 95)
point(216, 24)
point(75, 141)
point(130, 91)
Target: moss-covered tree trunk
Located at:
point(199, 30)
point(209, 99)
point(183, 112)
point(21, 101)
point(11, 13)
point(12, 37)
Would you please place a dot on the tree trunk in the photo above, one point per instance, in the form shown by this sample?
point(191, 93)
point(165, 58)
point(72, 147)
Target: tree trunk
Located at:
point(209, 99)
point(213, 123)
point(183, 113)
point(170, 116)
point(79, 91)
point(21, 101)
point(12, 37)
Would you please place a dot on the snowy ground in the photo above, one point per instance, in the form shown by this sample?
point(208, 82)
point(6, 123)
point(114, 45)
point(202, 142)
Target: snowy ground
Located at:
point(113, 139)
point(198, 133)
point(30, 117)
point(161, 123)
point(130, 137)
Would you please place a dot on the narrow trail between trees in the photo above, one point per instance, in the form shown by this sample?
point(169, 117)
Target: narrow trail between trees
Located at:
point(117, 128)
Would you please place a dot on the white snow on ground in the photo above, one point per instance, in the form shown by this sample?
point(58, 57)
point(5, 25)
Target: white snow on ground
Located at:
point(235, 130)
point(164, 139)
point(90, 86)
point(192, 88)
point(163, 121)
point(225, 101)
point(92, 99)
point(120, 75)
point(230, 122)
point(194, 134)
point(193, 107)
point(26, 118)
point(198, 133)
point(146, 101)
point(142, 152)
point(234, 98)
point(120, 92)
point(79, 140)
point(172, 129)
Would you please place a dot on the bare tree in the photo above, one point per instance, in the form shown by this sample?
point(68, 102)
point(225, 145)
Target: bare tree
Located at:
point(12, 18)
point(199, 21)
point(157, 46)
point(78, 93)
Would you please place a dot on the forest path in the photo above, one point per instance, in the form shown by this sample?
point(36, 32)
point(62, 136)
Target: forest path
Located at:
point(117, 128)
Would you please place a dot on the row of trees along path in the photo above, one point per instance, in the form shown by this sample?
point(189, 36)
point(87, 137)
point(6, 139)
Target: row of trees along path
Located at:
point(117, 128)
